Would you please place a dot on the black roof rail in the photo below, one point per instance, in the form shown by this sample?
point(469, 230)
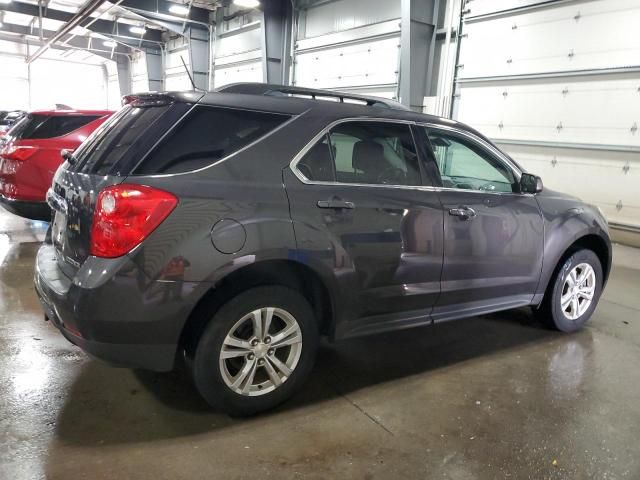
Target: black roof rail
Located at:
point(283, 90)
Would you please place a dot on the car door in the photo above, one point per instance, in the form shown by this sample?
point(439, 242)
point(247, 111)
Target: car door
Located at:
point(360, 212)
point(493, 234)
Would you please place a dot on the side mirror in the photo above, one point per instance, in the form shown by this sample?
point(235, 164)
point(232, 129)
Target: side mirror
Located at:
point(530, 183)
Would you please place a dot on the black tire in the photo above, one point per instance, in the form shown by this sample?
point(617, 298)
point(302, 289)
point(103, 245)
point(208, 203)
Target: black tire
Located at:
point(205, 366)
point(550, 311)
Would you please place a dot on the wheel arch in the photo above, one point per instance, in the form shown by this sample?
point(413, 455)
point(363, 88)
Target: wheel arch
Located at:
point(591, 241)
point(284, 272)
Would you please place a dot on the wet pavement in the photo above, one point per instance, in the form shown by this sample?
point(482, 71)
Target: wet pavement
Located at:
point(483, 398)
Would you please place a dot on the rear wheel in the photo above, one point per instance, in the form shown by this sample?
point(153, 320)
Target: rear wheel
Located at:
point(574, 295)
point(256, 351)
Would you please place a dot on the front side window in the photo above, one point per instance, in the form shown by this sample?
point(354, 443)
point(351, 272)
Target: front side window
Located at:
point(465, 165)
point(373, 153)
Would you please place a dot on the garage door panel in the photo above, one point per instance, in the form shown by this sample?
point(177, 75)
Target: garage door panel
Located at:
point(368, 63)
point(607, 179)
point(246, 72)
point(485, 7)
point(601, 110)
point(564, 38)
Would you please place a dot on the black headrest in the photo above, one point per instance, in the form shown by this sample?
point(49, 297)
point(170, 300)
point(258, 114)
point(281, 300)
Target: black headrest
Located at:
point(367, 155)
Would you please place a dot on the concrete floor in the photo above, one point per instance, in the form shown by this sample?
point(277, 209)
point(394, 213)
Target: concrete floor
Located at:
point(484, 398)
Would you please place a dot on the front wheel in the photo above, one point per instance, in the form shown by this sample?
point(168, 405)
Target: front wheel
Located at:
point(569, 304)
point(256, 351)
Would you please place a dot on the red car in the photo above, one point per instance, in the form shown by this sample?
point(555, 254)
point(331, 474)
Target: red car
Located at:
point(30, 153)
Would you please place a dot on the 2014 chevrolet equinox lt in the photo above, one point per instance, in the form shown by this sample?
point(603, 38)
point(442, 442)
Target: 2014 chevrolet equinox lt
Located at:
point(237, 227)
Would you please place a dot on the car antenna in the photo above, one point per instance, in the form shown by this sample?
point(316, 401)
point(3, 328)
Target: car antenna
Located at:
point(193, 84)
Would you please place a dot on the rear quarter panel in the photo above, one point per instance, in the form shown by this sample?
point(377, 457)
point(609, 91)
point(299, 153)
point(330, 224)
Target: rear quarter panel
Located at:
point(246, 189)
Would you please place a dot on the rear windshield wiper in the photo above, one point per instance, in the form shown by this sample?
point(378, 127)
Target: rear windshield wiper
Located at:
point(68, 156)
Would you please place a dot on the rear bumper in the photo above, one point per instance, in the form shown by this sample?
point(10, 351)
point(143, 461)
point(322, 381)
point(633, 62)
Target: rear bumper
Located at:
point(26, 209)
point(112, 335)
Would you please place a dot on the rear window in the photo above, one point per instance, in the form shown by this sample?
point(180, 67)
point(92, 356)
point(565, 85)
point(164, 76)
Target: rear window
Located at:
point(34, 127)
point(207, 135)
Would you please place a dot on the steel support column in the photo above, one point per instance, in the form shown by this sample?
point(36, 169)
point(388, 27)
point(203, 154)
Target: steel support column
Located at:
point(416, 38)
point(124, 74)
point(198, 41)
point(155, 72)
point(277, 16)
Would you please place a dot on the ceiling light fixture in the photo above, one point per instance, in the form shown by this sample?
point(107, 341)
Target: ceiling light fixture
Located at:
point(109, 43)
point(138, 30)
point(179, 9)
point(247, 3)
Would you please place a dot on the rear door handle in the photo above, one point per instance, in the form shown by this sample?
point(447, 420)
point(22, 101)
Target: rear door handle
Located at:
point(336, 204)
point(463, 212)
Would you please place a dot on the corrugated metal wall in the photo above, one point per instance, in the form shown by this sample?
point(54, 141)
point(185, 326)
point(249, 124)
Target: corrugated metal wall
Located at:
point(557, 84)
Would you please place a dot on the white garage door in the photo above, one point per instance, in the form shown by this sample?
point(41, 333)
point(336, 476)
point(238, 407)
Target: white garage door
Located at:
point(350, 45)
point(557, 84)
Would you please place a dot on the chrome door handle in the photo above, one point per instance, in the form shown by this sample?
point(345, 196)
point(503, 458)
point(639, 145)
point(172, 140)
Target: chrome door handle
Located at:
point(335, 203)
point(463, 212)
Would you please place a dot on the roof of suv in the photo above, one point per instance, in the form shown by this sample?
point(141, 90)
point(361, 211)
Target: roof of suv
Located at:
point(298, 100)
point(329, 104)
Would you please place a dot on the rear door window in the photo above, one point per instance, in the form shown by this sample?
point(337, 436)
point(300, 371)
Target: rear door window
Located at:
point(364, 152)
point(207, 135)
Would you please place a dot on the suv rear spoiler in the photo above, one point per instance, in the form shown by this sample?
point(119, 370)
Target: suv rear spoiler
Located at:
point(315, 94)
point(156, 99)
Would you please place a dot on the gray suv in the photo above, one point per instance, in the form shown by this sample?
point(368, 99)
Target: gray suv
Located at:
point(235, 228)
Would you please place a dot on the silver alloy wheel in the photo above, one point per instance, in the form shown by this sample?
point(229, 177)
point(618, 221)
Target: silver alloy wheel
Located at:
point(261, 351)
point(577, 291)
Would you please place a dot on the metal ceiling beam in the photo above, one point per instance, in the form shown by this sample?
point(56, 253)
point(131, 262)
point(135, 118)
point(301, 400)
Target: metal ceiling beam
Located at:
point(84, 12)
point(80, 43)
point(104, 27)
point(159, 9)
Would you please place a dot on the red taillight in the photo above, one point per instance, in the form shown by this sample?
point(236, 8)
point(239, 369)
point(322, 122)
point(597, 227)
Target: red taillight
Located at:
point(19, 153)
point(125, 215)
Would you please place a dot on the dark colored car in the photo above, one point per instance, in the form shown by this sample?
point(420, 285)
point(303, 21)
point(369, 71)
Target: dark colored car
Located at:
point(237, 227)
point(31, 152)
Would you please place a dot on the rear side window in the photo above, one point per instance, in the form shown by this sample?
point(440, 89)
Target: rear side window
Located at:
point(35, 127)
point(207, 135)
point(373, 153)
point(120, 135)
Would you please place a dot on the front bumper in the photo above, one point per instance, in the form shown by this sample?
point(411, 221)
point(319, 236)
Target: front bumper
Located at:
point(26, 209)
point(106, 322)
